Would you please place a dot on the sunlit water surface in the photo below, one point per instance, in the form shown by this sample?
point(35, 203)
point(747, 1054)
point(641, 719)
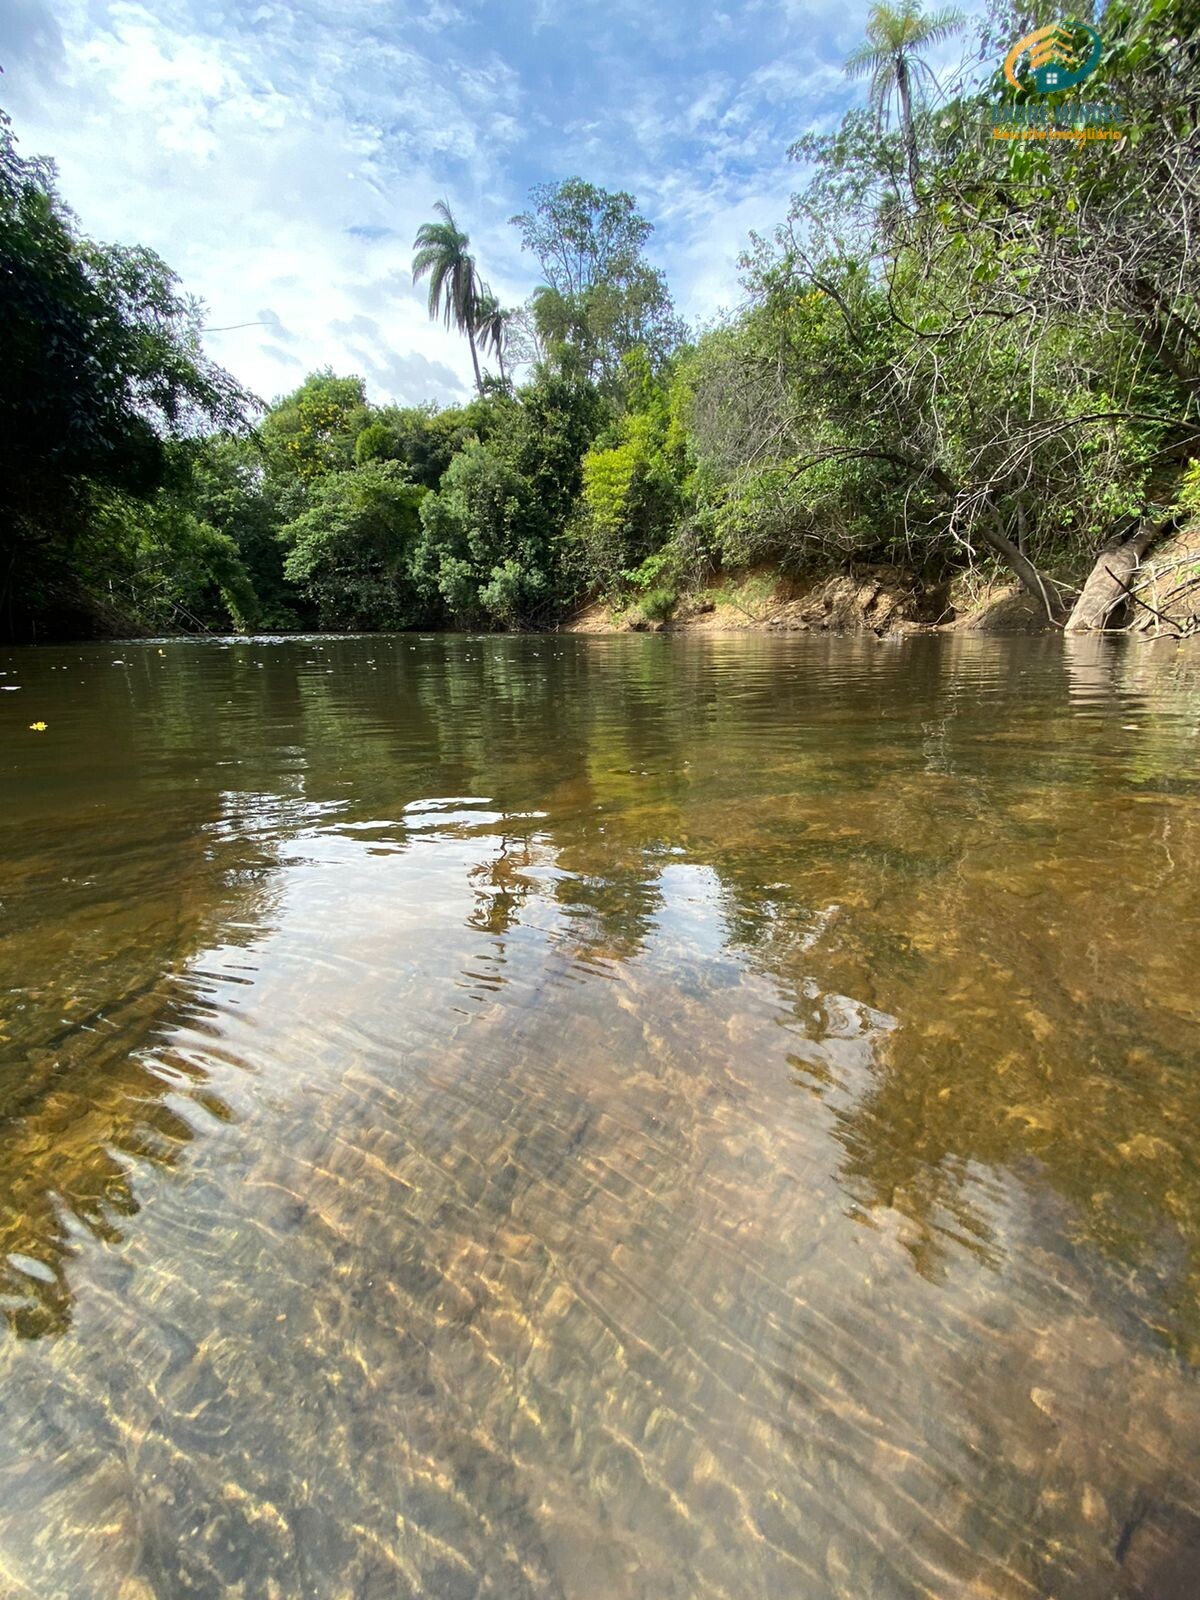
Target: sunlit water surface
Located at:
point(633, 1117)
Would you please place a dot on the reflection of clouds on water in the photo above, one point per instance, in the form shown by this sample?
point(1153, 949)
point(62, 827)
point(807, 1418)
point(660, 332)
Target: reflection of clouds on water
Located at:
point(544, 1078)
point(478, 1246)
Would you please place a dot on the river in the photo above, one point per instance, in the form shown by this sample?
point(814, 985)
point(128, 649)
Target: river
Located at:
point(674, 1118)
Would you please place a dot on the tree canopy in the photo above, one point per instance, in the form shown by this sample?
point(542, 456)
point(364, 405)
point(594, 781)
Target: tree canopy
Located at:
point(103, 379)
point(956, 353)
point(600, 297)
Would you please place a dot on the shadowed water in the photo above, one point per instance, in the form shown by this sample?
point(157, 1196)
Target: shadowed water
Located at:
point(633, 1117)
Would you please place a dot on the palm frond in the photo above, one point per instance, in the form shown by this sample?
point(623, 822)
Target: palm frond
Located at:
point(441, 254)
point(890, 53)
point(942, 24)
point(866, 58)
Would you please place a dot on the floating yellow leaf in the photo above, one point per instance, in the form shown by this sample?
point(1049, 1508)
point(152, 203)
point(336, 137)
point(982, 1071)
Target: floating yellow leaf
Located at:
point(37, 727)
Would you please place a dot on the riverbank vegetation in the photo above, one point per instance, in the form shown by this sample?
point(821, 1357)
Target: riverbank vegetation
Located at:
point(957, 352)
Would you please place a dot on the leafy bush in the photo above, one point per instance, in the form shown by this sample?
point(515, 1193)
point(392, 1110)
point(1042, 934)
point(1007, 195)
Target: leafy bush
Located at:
point(656, 605)
point(1188, 502)
point(350, 552)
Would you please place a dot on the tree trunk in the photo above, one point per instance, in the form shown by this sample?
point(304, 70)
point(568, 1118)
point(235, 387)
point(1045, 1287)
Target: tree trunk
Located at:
point(1106, 588)
point(1030, 578)
point(906, 124)
point(474, 358)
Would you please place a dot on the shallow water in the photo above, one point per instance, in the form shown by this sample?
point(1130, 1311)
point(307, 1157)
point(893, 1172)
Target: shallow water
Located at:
point(632, 1117)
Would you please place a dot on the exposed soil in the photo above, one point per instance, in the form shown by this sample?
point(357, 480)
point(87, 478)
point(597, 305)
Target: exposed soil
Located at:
point(1169, 583)
point(888, 599)
point(875, 599)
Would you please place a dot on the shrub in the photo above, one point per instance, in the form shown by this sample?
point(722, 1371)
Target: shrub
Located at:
point(656, 605)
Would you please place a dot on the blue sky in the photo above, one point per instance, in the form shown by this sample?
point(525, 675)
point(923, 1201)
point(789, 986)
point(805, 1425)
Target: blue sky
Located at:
point(281, 157)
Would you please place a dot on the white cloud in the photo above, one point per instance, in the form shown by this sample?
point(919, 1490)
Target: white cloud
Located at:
point(250, 186)
point(283, 156)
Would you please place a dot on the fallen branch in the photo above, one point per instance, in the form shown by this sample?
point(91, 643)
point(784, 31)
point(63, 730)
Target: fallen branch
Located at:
point(1181, 629)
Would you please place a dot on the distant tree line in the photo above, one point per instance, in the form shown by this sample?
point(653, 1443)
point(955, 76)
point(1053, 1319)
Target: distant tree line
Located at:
point(954, 352)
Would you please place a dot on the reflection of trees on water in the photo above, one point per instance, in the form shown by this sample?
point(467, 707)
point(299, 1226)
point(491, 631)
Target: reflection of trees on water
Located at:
point(502, 885)
point(88, 1095)
point(1025, 934)
point(1001, 893)
point(922, 829)
point(92, 1084)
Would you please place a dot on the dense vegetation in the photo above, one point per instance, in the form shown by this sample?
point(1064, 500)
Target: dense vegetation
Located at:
point(956, 350)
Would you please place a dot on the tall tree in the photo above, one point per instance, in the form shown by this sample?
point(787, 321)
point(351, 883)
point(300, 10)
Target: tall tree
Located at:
point(493, 325)
point(890, 56)
point(601, 298)
point(581, 234)
point(103, 371)
point(441, 254)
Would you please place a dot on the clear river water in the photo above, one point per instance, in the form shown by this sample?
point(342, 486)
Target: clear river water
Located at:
point(634, 1118)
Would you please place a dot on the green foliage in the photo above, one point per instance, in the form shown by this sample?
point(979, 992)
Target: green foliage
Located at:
point(155, 563)
point(102, 360)
point(102, 369)
point(480, 552)
point(512, 592)
point(556, 421)
point(422, 437)
point(377, 442)
point(467, 527)
point(491, 550)
point(996, 364)
point(315, 429)
point(148, 506)
point(1188, 502)
point(601, 298)
point(350, 552)
point(633, 494)
point(230, 489)
point(656, 605)
point(952, 350)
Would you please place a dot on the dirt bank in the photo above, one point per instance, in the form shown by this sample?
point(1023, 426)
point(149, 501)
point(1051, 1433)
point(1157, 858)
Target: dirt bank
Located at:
point(889, 599)
point(875, 599)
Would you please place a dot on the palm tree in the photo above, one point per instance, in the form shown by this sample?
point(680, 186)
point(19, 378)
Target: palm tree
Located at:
point(492, 324)
point(441, 252)
point(890, 55)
